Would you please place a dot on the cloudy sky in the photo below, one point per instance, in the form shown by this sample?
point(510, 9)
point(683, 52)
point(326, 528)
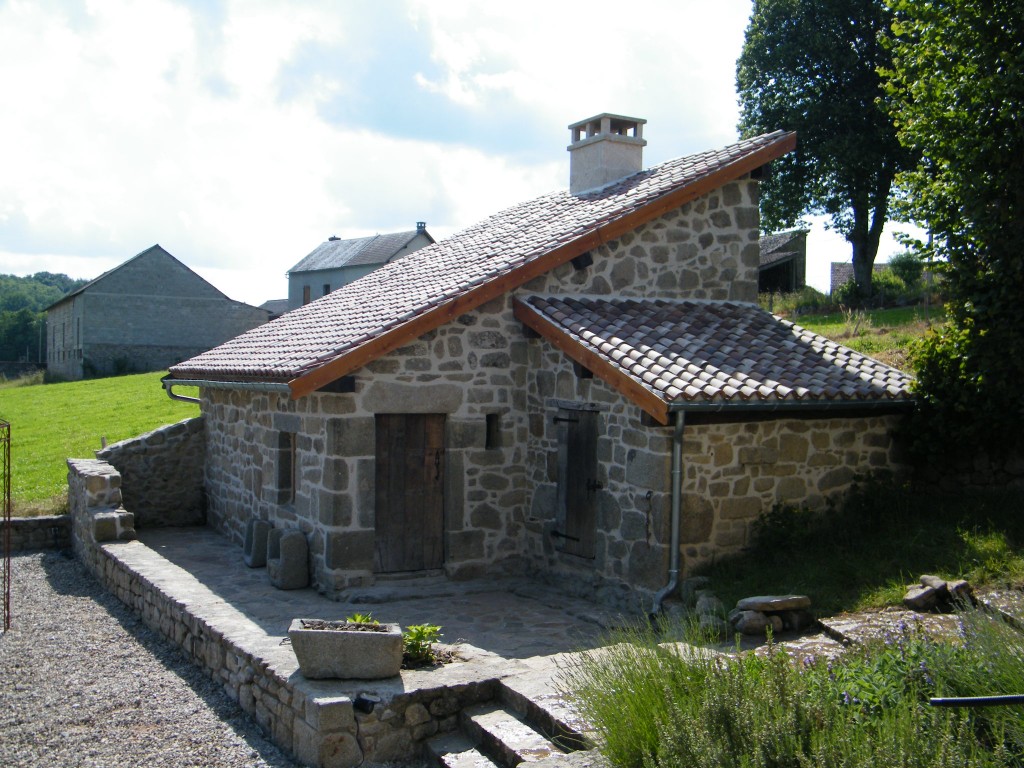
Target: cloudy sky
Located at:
point(240, 135)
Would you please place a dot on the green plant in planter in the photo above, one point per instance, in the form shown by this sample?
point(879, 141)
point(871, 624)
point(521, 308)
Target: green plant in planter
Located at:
point(418, 643)
point(361, 618)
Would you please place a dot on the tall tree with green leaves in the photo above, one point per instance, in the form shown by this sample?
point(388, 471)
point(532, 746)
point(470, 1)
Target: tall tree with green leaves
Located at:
point(812, 66)
point(956, 91)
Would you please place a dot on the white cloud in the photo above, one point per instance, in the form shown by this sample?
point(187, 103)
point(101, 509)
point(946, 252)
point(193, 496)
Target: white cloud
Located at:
point(141, 122)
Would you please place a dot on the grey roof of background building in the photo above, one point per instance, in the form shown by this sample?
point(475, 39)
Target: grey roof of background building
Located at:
point(361, 251)
point(780, 246)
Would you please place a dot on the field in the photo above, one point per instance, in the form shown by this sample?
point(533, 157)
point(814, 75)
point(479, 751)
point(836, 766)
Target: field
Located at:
point(51, 422)
point(884, 334)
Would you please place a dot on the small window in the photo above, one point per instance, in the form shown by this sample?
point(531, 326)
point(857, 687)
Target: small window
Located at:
point(286, 467)
point(493, 436)
point(327, 288)
point(305, 294)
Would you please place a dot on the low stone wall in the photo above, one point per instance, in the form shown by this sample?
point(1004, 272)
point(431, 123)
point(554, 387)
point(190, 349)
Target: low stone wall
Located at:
point(314, 720)
point(162, 474)
point(46, 532)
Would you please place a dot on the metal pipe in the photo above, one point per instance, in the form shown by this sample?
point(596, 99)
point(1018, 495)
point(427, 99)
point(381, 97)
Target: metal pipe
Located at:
point(677, 506)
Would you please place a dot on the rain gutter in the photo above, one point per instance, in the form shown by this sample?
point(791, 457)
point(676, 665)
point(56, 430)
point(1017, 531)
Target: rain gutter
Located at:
point(169, 382)
point(769, 406)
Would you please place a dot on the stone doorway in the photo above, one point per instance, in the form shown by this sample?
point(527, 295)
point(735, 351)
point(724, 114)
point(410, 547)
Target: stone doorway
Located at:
point(409, 486)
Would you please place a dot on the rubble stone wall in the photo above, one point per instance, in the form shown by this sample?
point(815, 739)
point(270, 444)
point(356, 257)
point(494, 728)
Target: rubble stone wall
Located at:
point(733, 472)
point(44, 532)
point(162, 474)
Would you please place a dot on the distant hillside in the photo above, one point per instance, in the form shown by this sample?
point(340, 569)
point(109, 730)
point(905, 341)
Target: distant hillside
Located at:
point(23, 301)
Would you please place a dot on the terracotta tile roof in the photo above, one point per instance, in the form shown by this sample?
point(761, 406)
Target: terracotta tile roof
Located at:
point(328, 338)
point(702, 353)
point(360, 251)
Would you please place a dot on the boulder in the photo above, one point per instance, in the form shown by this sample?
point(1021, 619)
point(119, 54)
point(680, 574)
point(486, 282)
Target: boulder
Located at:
point(921, 598)
point(752, 623)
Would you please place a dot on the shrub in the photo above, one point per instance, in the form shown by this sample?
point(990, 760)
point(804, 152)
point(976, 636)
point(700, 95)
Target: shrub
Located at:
point(418, 643)
point(908, 267)
point(667, 706)
point(807, 299)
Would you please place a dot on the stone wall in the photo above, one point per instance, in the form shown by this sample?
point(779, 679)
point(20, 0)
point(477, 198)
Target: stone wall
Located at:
point(162, 474)
point(94, 500)
point(64, 339)
point(733, 471)
point(44, 532)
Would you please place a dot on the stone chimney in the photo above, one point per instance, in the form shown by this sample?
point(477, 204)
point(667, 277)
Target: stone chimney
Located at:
point(604, 149)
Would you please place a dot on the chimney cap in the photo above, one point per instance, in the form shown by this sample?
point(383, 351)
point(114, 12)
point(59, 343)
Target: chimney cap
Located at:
point(332, 238)
point(608, 126)
point(420, 226)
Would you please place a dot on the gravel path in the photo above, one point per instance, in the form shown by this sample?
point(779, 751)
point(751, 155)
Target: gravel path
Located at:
point(83, 682)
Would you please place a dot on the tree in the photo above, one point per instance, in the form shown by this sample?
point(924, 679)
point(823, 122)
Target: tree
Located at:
point(812, 66)
point(956, 91)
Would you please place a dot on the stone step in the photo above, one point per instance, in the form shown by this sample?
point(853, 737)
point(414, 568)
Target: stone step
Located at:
point(532, 697)
point(504, 736)
point(455, 750)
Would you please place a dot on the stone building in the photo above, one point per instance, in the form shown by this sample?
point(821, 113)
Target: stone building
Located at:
point(580, 387)
point(144, 315)
point(338, 262)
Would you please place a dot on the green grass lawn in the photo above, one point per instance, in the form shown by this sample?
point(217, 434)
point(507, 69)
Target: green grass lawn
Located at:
point(884, 334)
point(53, 422)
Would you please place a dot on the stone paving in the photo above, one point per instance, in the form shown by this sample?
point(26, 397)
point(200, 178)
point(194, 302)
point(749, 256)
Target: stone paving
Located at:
point(511, 618)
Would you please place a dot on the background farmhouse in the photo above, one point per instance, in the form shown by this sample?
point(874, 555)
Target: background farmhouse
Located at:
point(144, 315)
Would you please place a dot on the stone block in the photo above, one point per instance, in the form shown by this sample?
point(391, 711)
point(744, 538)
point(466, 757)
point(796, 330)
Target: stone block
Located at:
point(351, 436)
point(329, 713)
point(767, 603)
point(254, 550)
point(465, 545)
point(288, 558)
point(351, 550)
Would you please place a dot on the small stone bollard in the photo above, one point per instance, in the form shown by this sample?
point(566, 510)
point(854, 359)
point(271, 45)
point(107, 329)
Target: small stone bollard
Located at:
point(254, 552)
point(287, 558)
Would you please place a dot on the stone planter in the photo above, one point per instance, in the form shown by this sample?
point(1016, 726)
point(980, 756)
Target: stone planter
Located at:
point(346, 653)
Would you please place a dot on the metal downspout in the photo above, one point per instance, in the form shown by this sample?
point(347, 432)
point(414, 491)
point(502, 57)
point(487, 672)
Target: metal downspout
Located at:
point(677, 505)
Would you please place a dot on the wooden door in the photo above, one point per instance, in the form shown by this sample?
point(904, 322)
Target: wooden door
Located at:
point(581, 484)
point(409, 492)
